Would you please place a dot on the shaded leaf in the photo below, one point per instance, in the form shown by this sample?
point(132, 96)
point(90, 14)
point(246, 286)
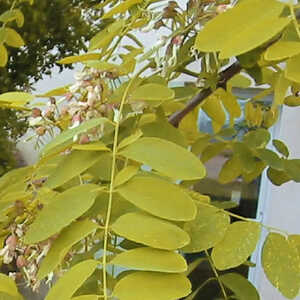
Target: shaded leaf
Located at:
point(278, 177)
point(73, 165)
point(292, 168)
point(281, 147)
point(258, 138)
point(212, 150)
point(237, 245)
point(152, 285)
point(160, 198)
point(67, 285)
point(125, 174)
point(271, 158)
point(150, 231)
point(57, 214)
point(230, 170)
point(163, 130)
point(165, 157)
point(13, 39)
point(240, 286)
point(61, 246)
point(207, 230)
point(281, 263)
point(149, 259)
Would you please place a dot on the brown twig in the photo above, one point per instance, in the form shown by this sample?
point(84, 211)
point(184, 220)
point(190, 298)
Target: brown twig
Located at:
point(225, 75)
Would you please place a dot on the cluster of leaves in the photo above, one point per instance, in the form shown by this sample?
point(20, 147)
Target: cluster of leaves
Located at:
point(115, 187)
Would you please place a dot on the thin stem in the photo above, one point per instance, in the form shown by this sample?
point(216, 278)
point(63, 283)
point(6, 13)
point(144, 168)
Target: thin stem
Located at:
point(112, 177)
point(216, 275)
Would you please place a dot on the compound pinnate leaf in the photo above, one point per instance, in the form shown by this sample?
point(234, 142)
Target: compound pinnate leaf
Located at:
point(240, 286)
point(237, 245)
point(152, 285)
point(166, 157)
point(60, 247)
point(150, 231)
point(150, 259)
point(160, 198)
point(59, 213)
point(281, 263)
point(67, 285)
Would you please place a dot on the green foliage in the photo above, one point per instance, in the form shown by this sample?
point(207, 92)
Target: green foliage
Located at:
point(114, 187)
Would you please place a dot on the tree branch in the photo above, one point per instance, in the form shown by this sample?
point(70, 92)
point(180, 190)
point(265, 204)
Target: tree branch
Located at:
point(225, 75)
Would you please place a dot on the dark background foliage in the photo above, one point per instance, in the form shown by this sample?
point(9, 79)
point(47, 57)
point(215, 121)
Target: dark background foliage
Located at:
point(52, 30)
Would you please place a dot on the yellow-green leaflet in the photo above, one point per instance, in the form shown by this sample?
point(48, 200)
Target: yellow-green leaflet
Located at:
point(237, 245)
point(282, 50)
point(86, 297)
point(292, 69)
point(121, 8)
point(95, 146)
point(67, 285)
point(65, 138)
point(150, 259)
point(55, 92)
point(79, 58)
point(166, 157)
point(152, 285)
point(160, 198)
point(207, 230)
point(152, 92)
point(12, 38)
point(3, 56)
point(230, 170)
point(248, 25)
point(16, 97)
point(240, 286)
point(73, 165)
point(60, 212)
point(150, 231)
point(125, 174)
point(60, 247)
point(281, 263)
point(9, 287)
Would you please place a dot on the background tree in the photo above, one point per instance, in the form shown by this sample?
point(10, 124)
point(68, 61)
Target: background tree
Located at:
point(51, 31)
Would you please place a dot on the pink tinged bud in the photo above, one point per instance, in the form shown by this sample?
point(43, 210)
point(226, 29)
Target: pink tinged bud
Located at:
point(222, 8)
point(40, 131)
point(36, 112)
point(11, 242)
point(68, 96)
point(76, 118)
point(84, 139)
point(64, 110)
point(177, 40)
point(21, 261)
